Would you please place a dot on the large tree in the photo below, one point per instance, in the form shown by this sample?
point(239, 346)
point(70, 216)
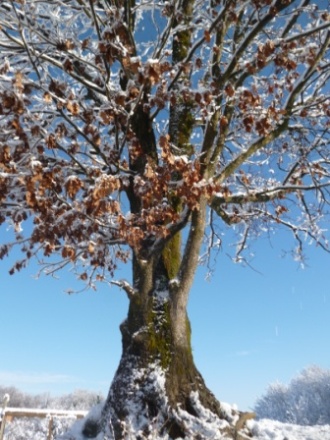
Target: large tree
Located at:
point(142, 131)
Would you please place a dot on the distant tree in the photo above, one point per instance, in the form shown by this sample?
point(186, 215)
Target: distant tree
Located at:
point(18, 399)
point(11, 391)
point(274, 404)
point(143, 131)
point(305, 401)
point(78, 399)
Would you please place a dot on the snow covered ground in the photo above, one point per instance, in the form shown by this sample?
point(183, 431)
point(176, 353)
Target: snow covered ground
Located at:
point(262, 430)
point(271, 430)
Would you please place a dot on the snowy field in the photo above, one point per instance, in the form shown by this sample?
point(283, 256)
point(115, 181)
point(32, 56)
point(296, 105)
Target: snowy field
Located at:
point(272, 430)
point(262, 430)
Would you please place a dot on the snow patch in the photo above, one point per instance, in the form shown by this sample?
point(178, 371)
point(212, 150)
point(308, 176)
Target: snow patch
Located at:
point(230, 411)
point(207, 424)
point(271, 430)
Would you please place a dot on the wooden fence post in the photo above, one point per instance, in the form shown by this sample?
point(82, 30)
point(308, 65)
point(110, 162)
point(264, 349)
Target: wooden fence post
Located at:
point(6, 399)
point(50, 428)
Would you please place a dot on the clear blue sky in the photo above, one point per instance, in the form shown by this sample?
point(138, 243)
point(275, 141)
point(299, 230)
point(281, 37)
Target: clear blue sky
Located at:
point(249, 328)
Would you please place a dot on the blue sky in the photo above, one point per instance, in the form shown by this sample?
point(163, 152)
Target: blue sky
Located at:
point(249, 328)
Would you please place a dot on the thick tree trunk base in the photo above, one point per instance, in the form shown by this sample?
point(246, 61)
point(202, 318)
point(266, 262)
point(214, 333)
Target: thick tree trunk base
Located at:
point(157, 392)
point(138, 408)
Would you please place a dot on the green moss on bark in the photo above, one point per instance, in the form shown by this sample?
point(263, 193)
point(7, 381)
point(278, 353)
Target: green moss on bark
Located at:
point(172, 256)
point(159, 334)
point(181, 45)
point(185, 126)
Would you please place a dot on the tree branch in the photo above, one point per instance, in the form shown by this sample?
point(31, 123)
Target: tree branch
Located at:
point(126, 286)
point(256, 146)
point(266, 195)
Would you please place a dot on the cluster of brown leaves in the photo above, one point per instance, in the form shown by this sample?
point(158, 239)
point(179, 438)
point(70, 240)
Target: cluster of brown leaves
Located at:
point(255, 115)
point(280, 210)
point(150, 224)
point(281, 60)
point(11, 103)
point(263, 54)
point(77, 211)
point(248, 100)
point(190, 185)
point(116, 42)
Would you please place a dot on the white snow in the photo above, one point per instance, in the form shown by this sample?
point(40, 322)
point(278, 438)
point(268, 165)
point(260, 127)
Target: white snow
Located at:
point(207, 424)
point(174, 282)
point(271, 430)
point(264, 429)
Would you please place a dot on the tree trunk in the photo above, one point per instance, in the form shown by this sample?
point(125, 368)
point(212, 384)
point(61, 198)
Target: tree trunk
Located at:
point(157, 391)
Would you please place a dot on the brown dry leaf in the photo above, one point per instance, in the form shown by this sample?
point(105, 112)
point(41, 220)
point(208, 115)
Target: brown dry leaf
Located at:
point(149, 172)
point(83, 276)
point(97, 140)
point(230, 91)
point(106, 186)
point(30, 198)
point(164, 141)
point(291, 65)
point(133, 92)
point(269, 48)
point(85, 43)
point(68, 66)
point(107, 116)
point(8, 101)
point(207, 97)
point(120, 99)
point(72, 186)
point(18, 81)
point(223, 122)
point(65, 45)
point(91, 247)
point(5, 154)
point(166, 150)
point(5, 67)
point(51, 141)
point(153, 72)
point(198, 97)
point(135, 236)
point(73, 107)
point(35, 130)
point(131, 64)
point(207, 36)
point(68, 252)
point(47, 97)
